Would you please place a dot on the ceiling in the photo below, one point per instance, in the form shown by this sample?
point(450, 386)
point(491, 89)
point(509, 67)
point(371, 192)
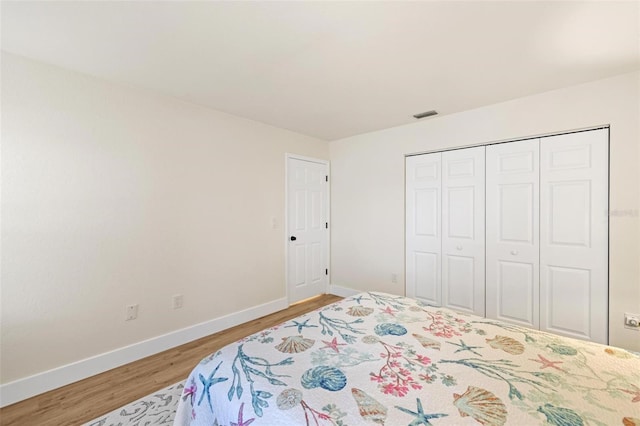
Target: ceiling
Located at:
point(332, 69)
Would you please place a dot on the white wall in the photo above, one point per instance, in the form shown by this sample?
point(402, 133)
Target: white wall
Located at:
point(367, 206)
point(113, 196)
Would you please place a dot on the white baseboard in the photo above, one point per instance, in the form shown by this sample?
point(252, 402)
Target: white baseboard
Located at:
point(342, 291)
point(21, 389)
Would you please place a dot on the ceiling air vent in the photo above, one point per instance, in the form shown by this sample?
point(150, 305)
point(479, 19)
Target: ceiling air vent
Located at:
point(426, 114)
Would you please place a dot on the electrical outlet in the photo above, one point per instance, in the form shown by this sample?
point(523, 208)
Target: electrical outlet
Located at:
point(177, 301)
point(394, 278)
point(632, 321)
point(132, 312)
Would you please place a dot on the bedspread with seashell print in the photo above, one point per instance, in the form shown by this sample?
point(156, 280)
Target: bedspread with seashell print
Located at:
point(380, 359)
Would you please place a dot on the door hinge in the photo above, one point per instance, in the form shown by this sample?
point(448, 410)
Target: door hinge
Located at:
point(326, 225)
point(326, 178)
point(326, 272)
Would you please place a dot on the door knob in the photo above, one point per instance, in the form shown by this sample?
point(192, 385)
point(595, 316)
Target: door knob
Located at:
point(514, 252)
point(458, 247)
point(293, 238)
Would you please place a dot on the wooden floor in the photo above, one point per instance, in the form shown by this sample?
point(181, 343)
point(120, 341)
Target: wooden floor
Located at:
point(90, 398)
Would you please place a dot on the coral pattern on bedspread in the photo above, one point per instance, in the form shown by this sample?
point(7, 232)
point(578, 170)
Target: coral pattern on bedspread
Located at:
point(389, 360)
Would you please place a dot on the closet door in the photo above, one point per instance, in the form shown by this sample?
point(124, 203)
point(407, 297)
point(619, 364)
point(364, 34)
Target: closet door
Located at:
point(463, 231)
point(573, 235)
point(423, 223)
point(512, 232)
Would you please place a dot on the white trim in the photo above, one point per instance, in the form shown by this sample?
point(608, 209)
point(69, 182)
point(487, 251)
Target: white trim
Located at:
point(43, 382)
point(303, 158)
point(523, 138)
point(337, 290)
point(327, 165)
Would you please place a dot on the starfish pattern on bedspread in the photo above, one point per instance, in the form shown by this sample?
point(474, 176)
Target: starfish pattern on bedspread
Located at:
point(420, 417)
point(390, 360)
point(333, 344)
point(464, 347)
point(300, 325)
point(208, 383)
point(547, 363)
point(241, 421)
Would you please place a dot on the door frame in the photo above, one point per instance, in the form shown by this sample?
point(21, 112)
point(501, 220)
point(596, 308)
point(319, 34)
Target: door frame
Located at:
point(327, 165)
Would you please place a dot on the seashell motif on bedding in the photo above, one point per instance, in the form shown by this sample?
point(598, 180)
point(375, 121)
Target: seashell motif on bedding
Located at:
point(482, 405)
point(294, 344)
point(370, 339)
point(325, 377)
point(386, 329)
point(631, 421)
point(562, 349)
point(289, 398)
point(507, 344)
point(559, 416)
point(369, 408)
point(618, 353)
point(426, 342)
point(359, 311)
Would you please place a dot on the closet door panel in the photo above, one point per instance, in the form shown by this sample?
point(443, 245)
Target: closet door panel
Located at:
point(460, 275)
point(463, 230)
point(574, 235)
point(512, 230)
point(423, 227)
point(516, 292)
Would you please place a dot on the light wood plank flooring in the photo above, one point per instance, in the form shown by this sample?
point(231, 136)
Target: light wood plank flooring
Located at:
point(90, 398)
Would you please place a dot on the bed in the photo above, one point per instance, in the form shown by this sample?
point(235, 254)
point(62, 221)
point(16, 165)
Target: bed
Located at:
point(376, 358)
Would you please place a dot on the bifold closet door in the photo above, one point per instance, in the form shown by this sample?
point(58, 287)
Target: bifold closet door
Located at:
point(574, 235)
point(512, 232)
point(423, 227)
point(463, 233)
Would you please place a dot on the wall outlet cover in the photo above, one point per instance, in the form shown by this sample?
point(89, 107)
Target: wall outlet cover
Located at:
point(177, 301)
point(632, 321)
point(132, 312)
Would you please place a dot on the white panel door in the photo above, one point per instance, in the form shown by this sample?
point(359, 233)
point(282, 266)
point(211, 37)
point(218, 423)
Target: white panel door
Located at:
point(573, 235)
point(308, 236)
point(423, 236)
point(463, 208)
point(512, 232)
